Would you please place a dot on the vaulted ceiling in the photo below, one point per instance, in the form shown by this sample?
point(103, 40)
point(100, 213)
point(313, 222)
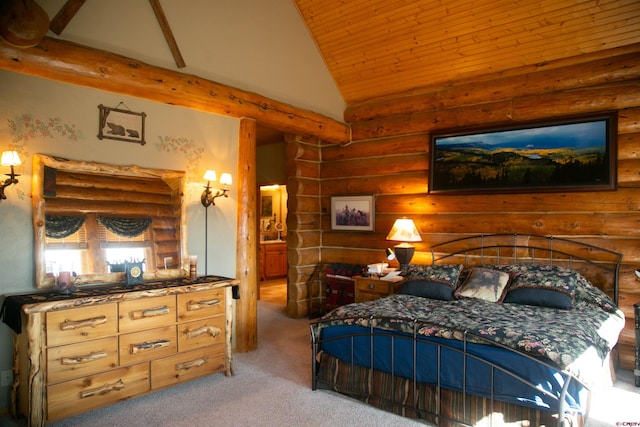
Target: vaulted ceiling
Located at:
point(382, 48)
point(364, 50)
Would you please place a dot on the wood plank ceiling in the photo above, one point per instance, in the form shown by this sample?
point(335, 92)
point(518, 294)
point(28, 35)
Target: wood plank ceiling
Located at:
point(376, 49)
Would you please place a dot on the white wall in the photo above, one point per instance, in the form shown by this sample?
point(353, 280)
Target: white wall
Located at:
point(42, 116)
point(260, 46)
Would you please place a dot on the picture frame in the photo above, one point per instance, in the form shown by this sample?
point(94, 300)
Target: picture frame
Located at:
point(576, 153)
point(121, 125)
point(353, 213)
point(266, 207)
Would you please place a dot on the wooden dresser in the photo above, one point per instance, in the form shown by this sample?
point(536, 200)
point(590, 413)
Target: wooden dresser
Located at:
point(109, 343)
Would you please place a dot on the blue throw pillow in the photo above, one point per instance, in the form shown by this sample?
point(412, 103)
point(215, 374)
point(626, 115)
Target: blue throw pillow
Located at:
point(427, 289)
point(539, 297)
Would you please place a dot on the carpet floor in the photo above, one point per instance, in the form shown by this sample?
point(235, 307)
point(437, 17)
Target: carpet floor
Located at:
point(271, 387)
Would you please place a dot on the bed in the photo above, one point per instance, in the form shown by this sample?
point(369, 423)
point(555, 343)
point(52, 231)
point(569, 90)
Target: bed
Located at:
point(498, 330)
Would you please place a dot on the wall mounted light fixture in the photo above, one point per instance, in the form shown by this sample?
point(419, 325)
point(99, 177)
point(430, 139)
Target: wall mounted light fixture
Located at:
point(9, 158)
point(404, 231)
point(209, 195)
point(208, 198)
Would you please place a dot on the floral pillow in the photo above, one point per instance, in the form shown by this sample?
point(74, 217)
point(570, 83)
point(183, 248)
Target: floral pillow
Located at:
point(543, 285)
point(485, 284)
point(447, 274)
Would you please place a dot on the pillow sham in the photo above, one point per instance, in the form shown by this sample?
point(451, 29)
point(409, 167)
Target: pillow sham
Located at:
point(485, 284)
point(441, 273)
point(543, 285)
point(428, 289)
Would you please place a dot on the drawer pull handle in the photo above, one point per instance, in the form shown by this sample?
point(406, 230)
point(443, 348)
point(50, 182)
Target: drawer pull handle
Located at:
point(197, 305)
point(150, 312)
point(211, 330)
point(149, 345)
point(372, 287)
point(83, 359)
point(69, 325)
point(185, 366)
point(119, 385)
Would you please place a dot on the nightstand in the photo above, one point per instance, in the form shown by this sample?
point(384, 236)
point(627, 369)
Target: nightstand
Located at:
point(372, 288)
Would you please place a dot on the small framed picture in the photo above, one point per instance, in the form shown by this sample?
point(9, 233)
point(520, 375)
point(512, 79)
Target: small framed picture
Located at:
point(266, 207)
point(122, 125)
point(353, 213)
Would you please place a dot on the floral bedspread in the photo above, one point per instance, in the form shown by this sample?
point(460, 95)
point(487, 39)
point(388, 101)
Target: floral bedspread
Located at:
point(577, 340)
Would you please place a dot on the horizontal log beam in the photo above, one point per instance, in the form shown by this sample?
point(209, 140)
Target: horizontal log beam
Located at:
point(79, 65)
point(618, 64)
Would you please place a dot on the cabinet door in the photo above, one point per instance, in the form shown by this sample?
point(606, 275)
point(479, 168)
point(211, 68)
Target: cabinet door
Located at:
point(276, 261)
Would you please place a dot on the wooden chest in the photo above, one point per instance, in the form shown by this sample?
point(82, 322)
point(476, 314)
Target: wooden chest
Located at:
point(74, 359)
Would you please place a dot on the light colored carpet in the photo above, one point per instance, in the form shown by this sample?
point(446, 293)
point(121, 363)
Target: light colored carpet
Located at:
point(271, 387)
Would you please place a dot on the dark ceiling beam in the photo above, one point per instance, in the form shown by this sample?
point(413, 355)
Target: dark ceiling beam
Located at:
point(65, 15)
point(79, 65)
point(168, 34)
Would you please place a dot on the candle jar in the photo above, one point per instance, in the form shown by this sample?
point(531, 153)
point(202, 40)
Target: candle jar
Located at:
point(193, 266)
point(64, 280)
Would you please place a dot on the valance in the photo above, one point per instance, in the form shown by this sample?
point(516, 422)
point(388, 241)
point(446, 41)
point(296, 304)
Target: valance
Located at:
point(125, 227)
point(58, 227)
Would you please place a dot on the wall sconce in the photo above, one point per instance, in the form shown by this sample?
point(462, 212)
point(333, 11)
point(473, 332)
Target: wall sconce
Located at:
point(405, 231)
point(208, 197)
point(9, 158)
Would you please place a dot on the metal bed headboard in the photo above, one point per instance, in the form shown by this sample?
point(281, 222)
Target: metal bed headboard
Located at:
point(593, 262)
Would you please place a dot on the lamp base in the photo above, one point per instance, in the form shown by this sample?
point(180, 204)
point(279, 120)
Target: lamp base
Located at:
point(404, 253)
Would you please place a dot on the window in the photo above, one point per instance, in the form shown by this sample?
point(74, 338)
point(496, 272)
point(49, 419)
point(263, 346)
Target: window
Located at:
point(97, 243)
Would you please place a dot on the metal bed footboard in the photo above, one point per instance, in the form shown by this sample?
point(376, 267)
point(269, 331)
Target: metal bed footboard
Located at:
point(561, 408)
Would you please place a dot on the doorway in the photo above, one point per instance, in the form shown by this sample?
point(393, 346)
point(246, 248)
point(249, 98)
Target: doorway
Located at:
point(273, 266)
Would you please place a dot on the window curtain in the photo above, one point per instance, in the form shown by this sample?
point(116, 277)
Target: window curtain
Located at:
point(59, 227)
point(125, 227)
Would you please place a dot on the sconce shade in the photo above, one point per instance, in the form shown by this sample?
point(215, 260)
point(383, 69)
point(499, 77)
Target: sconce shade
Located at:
point(210, 194)
point(225, 179)
point(10, 158)
point(404, 230)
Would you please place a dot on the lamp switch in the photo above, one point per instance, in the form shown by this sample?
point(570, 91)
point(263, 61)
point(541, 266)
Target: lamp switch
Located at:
point(6, 378)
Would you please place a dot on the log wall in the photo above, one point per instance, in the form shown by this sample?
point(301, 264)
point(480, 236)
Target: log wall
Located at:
point(389, 158)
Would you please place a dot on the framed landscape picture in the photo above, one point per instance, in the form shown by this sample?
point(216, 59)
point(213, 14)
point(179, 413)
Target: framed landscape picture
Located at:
point(569, 154)
point(354, 213)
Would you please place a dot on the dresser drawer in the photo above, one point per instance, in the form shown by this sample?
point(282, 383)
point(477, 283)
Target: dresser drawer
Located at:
point(146, 345)
point(80, 359)
point(147, 313)
point(201, 333)
point(198, 305)
point(187, 366)
point(77, 396)
point(80, 324)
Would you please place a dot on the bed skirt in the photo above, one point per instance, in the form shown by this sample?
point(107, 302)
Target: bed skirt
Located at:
point(441, 407)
